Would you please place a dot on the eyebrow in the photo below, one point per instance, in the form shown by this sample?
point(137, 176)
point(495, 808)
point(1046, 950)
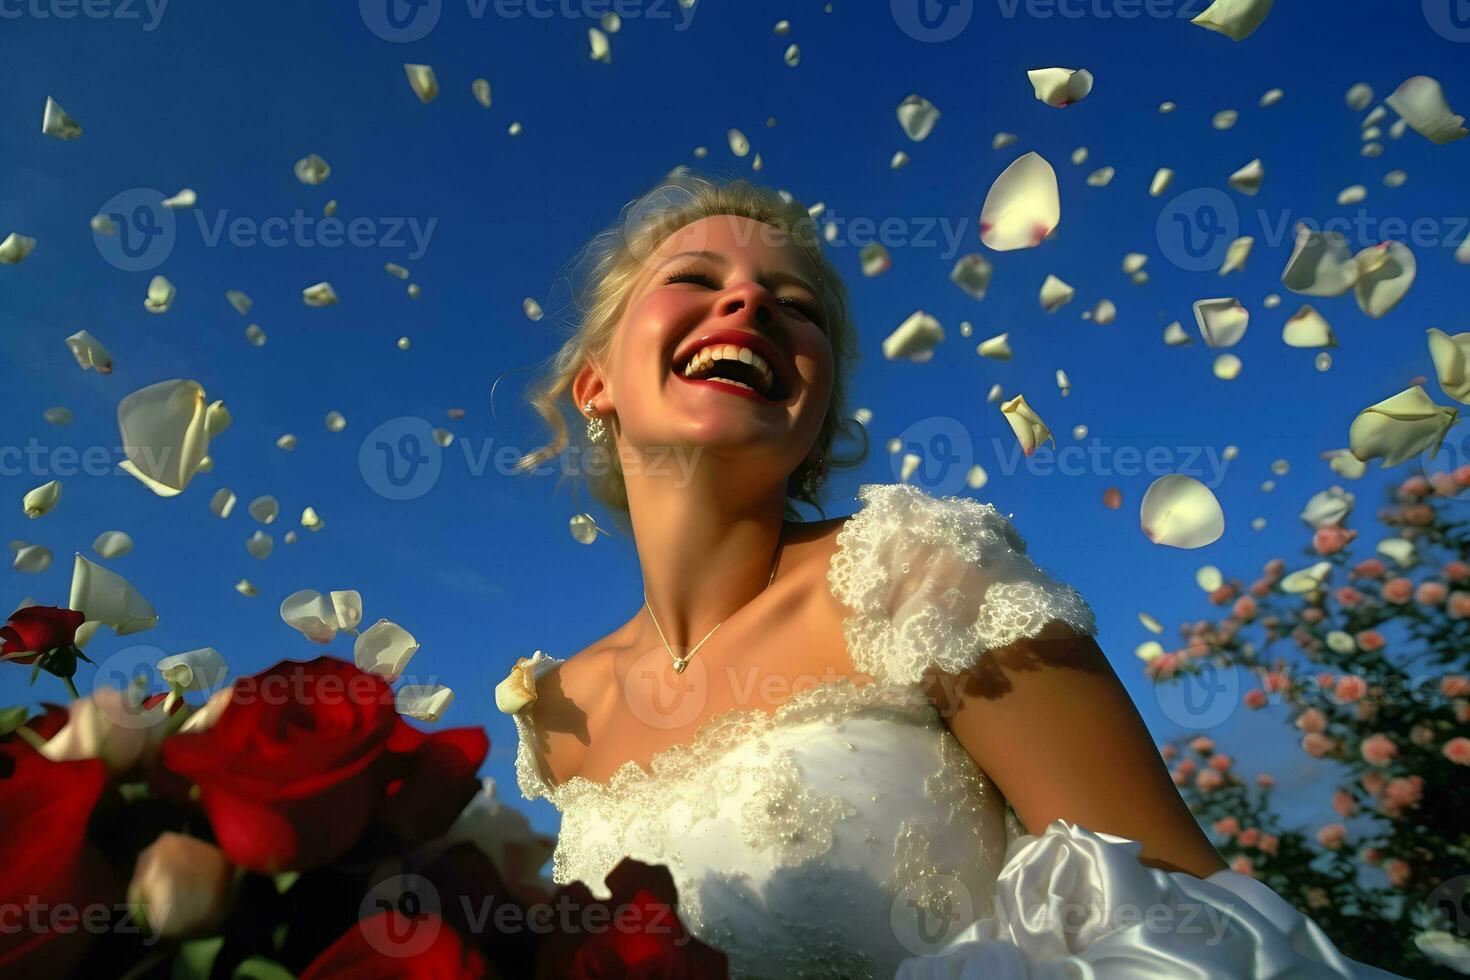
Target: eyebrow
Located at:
point(774, 278)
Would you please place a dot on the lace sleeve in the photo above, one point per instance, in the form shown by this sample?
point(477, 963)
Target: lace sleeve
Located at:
point(936, 582)
point(514, 697)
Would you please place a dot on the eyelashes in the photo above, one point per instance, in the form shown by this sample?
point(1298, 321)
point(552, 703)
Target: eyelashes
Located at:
point(806, 308)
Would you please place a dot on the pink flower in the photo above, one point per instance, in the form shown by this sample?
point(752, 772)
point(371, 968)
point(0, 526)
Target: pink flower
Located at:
point(1370, 641)
point(1444, 484)
point(1220, 762)
point(1378, 749)
point(1455, 686)
point(1343, 803)
point(1203, 745)
point(1415, 486)
point(1457, 750)
point(1419, 515)
point(1372, 856)
point(1277, 681)
point(1249, 837)
point(1365, 710)
point(1312, 721)
point(1349, 597)
point(1276, 568)
point(1421, 735)
point(1369, 568)
point(1332, 836)
point(1255, 699)
point(1208, 780)
point(1457, 571)
point(1261, 588)
point(1242, 866)
point(1223, 594)
point(1430, 593)
point(1402, 793)
point(1398, 590)
point(1399, 872)
point(1459, 605)
point(1331, 538)
point(1374, 782)
point(1317, 745)
point(1228, 826)
point(1313, 614)
point(1350, 688)
point(1168, 751)
point(1244, 609)
point(1461, 475)
point(1269, 843)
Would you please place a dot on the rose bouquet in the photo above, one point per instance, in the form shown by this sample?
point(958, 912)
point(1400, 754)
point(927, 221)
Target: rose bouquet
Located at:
point(292, 824)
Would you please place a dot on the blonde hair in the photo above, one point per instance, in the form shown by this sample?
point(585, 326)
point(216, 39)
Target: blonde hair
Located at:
point(604, 273)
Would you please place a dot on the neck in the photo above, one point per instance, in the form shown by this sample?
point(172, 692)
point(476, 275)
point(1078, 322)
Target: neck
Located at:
point(705, 553)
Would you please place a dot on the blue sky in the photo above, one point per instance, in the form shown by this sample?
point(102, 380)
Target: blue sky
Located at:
point(224, 98)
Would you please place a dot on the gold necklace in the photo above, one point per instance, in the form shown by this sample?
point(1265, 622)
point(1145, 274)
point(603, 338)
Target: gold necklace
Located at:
point(681, 662)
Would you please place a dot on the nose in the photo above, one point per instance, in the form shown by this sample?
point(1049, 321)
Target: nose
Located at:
point(751, 297)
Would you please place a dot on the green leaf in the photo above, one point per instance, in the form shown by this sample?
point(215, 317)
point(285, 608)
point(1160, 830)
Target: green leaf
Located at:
point(284, 880)
point(12, 718)
point(196, 958)
point(260, 968)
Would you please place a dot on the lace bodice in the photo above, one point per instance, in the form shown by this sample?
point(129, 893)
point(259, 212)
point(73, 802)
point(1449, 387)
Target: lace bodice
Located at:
point(820, 839)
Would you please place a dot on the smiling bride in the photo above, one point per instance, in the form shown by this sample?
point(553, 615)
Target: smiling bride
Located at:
point(875, 745)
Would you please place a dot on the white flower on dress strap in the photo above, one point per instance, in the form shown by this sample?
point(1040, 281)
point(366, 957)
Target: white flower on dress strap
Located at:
point(519, 687)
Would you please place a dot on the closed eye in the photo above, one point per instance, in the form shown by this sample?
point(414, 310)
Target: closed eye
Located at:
point(807, 309)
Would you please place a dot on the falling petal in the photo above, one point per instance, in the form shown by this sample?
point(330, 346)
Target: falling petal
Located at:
point(1222, 322)
point(1079, 156)
point(997, 347)
point(1134, 261)
point(1400, 427)
point(182, 201)
point(1385, 274)
point(1307, 579)
point(384, 648)
point(1320, 265)
point(994, 395)
point(1163, 180)
point(1079, 432)
point(915, 338)
point(1175, 335)
point(330, 208)
point(312, 170)
point(1055, 294)
point(255, 335)
point(1209, 578)
point(32, 559)
point(1166, 107)
point(260, 545)
point(599, 47)
point(15, 247)
point(514, 129)
point(1023, 205)
point(972, 273)
point(1272, 97)
point(335, 421)
point(286, 442)
point(1030, 431)
point(875, 259)
point(238, 300)
point(1248, 178)
point(1060, 87)
point(311, 520)
point(165, 431)
point(1238, 253)
point(1323, 361)
point(1002, 140)
point(112, 544)
point(1236, 19)
point(1181, 512)
point(917, 116)
point(1421, 102)
point(1150, 623)
point(1227, 367)
point(264, 509)
point(1451, 356)
point(322, 294)
point(312, 614)
point(1331, 506)
point(898, 160)
point(246, 588)
point(977, 477)
point(1360, 96)
point(792, 57)
point(403, 343)
point(421, 79)
point(89, 352)
point(197, 670)
point(1308, 328)
point(223, 502)
point(1102, 177)
point(56, 122)
point(584, 528)
point(1225, 119)
point(1355, 194)
point(57, 415)
point(481, 89)
point(1064, 383)
point(1104, 313)
point(108, 598)
point(423, 702)
point(1395, 178)
point(103, 225)
point(1149, 650)
point(1403, 551)
point(414, 290)
point(532, 309)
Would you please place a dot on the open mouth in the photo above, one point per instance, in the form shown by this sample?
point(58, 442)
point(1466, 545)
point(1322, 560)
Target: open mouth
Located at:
point(735, 365)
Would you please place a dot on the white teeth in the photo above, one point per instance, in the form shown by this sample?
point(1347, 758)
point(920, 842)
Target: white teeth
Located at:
point(701, 362)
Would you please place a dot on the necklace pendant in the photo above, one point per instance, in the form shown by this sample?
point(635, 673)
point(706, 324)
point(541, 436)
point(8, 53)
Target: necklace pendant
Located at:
point(680, 663)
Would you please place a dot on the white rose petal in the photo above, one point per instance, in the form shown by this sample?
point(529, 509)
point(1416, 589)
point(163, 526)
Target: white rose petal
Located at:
point(384, 648)
point(312, 614)
point(1452, 363)
point(1248, 178)
point(312, 170)
point(1225, 119)
point(223, 502)
point(972, 273)
point(1421, 102)
point(1101, 177)
point(1055, 294)
point(40, 500)
point(1307, 579)
point(480, 87)
point(1060, 87)
point(1308, 328)
point(347, 608)
point(977, 477)
point(1163, 180)
point(1401, 550)
point(1385, 274)
point(89, 352)
point(532, 309)
point(182, 201)
point(15, 247)
point(58, 415)
point(1236, 19)
point(1272, 97)
point(197, 670)
point(264, 509)
point(286, 442)
point(260, 545)
point(1320, 264)
point(1181, 512)
point(56, 122)
point(421, 79)
point(875, 259)
point(1023, 206)
point(915, 339)
point(1031, 432)
point(161, 294)
point(165, 434)
point(1330, 506)
point(1360, 96)
point(106, 597)
point(997, 347)
point(1175, 335)
point(311, 520)
point(239, 301)
point(424, 702)
point(1227, 367)
point(1401, 427)
point(1209, 578)
point(917, 116)
point(1079, 156)
point(1002, 140)
point(33, 559)
point(1222, 322)
point(601, 49)
point(112, 544)
point(254, 335)
point(1238, 253)
point(335, 421)
point(322, 294)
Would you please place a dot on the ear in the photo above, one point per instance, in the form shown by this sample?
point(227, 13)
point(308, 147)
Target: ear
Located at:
point(589, 384)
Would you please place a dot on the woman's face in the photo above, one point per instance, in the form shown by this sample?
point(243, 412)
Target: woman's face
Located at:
point(724, 347)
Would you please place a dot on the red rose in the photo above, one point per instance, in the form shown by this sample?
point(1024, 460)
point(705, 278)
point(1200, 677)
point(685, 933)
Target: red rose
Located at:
point(52, 881)
point(431, 778)
point(292, 770)
point(392, 946)
point(37, 629)
point(637, 932)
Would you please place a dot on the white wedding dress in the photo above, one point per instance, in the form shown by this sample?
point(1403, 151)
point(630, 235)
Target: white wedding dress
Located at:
point(849, 835)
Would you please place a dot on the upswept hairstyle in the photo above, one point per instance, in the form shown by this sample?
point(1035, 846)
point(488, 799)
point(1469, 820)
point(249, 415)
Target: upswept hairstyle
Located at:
point(601, 278)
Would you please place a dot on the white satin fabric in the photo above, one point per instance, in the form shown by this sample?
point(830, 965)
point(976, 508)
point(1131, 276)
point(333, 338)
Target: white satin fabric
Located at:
point(1075, 905)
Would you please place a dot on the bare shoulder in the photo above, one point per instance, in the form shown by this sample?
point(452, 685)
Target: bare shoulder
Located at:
point(569, 700)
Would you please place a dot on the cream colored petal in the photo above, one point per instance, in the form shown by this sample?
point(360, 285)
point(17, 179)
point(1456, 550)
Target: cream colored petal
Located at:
point(1134, 261)
point(1166, 107)
point(264, 509)
point(1400, 427)
point(1373, 150)
point(1222, 322)
point(1149, 650)
point(246, 588)
point(1271, 98)
point(1320, 264)
point(599, 48)
point(1175, 335)
point(898, 161)
point(1307, 579)
point(977, 477)
point(216, 418)
point(1452, 363)
point(183, 200)
point(403, 343)
point(1209, 578)
point(1181, 512)
point(1395, 178)
point(255, 335)
point(15, 247)
point(1236, 19)
point(239, 301)
point(108, 598)
point(197, 670)
point(1238, 253)
point(260, 545)
point(1031, 432)
point(1064, 383)
point(312, 170)
point(1248, 178)
point(311, 520)
point(917, 116)
point(223, 502)
point(384, 648)
point(994, 395)
point(1345, 464)
point(1055, 294)
point(1385, 274)
point(997, 347)
point(423, 702)
point(1400, 550)
point(583, 528)
point(532, 309)
point(56, 122)
point(322, 294)
point(310, 613)
point(1227, 367)
point(1022, 207)
point(1360, 96)
point(1421, 102)
point(1355, 194)
point(103, 225)
point(1101, 177)
point(1163, 180)
point(1308, 328)
point(1330, 506)
point(286, 442)
point(89, 352)
point(1060, 87)
point(1002, 140)
point(423, 82)
point(58, 415)
point(1150, 623)
point(915, 339)
point(875, 259)
point(792, 57)
point(112, 544)
point(972, 273)
point(1462, 254)
point(514, 129)
point(1079, 156)
point(164, 434)
point(1224, 119)
point(161, 294)
point(33, 559)
point(1104, 313)
point(481, 89)
point(739, 144)
point(335, 421)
